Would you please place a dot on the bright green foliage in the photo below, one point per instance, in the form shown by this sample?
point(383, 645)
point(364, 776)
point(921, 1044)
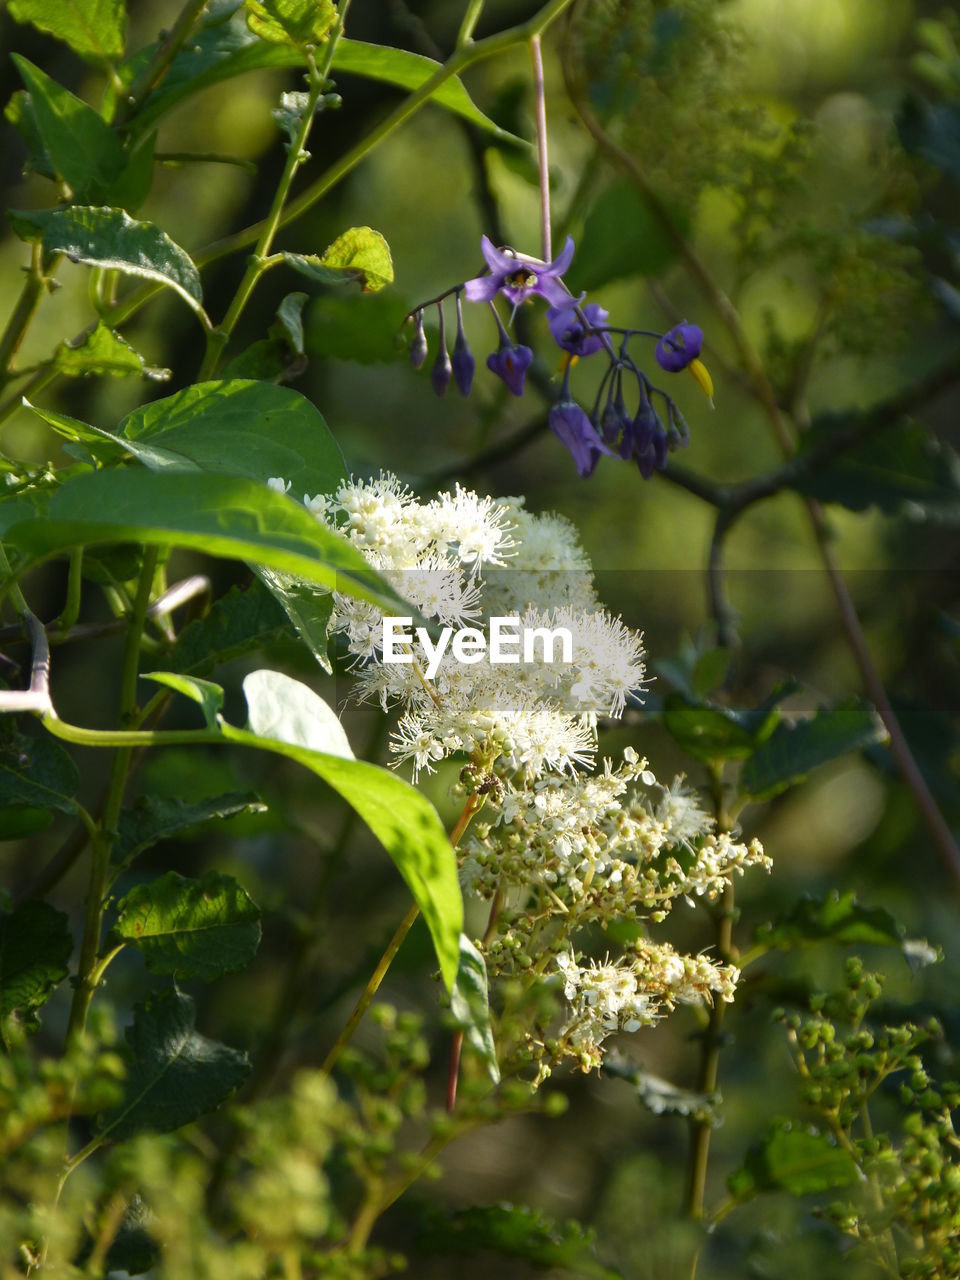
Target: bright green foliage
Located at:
point(110, 239)
point(217, 514)
point(296, 22)
point(245, 428)
point(794, 1160)
point(359, 254)
point(287, 717)
point(35, 945)
point(792, 751)
point(174, 1074)
point(103, 353)
point(207, 695)
point(191, 928)
point(470, 1005)
point(93, 28)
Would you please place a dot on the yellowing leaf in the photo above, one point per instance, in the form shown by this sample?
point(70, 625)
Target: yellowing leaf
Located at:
point(296, 22)
point(363, 250)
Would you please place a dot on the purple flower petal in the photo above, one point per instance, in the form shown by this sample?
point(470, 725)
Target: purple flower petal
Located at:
point(573, 428)
point(511, 364)
point(567, 328)
point(679, 347)
point(482, 289)
point(500, 263)
point(561, 262)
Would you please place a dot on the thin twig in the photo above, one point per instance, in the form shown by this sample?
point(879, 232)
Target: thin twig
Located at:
point(543, 165)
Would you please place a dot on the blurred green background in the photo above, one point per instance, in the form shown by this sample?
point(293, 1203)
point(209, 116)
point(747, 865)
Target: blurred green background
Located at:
point(770, 130)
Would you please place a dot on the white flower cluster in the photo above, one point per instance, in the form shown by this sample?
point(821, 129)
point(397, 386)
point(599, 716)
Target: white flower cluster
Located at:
point(558, 846)
point(528, 719)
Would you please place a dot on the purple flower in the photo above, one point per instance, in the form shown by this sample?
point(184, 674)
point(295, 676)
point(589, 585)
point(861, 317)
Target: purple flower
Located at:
point(568, 329)
point(519, 277)
point(442, 369)
point(462, 362)
point(511, 363)
point(573, 428)
point(679, 347)
point(418, 344)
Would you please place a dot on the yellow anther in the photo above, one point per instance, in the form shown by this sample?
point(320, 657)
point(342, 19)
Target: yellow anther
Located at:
point(701, 376)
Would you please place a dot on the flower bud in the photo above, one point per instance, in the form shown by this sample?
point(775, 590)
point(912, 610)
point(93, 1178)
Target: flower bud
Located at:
point(418, 343)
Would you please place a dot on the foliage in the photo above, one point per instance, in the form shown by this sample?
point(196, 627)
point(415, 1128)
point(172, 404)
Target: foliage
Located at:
point(222, 784)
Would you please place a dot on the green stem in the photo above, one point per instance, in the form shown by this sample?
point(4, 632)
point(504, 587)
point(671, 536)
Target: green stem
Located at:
point(71, 608)
point(701, 1129)
point(23, 312)
point(469, 23)
point(101, 841)
point(296, 156)
point(159, 64)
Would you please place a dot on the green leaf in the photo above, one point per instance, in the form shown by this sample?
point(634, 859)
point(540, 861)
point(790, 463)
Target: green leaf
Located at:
point(103, 352)
point(622, 237)
point(707, 733)
point(36, 773)
point(798, 1161)
point(295, 22)
point(244, 428)
point(515, 1231)
point(207, 695)
point(360, 327)
point(792, 751)
point(839, 917)
point(19, 821)
point(174, 1074)
point(470, 1005)
point(289, 718)
point(215, 514)
point(111, 239)
point(92, 28)
point(191, 928)
point(359, 254)
point(237, 623)
point(156, 818)
point(102, 445)
point(220, 50)
point(905, 471)
point(661, 1097)
point(289, 322)
point(409, 71)
point(83, 149)
point(20, 114)
point(307, 609)
point(35, 946)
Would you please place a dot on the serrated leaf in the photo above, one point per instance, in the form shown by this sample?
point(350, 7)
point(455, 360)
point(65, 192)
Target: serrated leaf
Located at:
point(661, 1097)
point(215, 514)
point(237, 623)
point(798, 1161)
point(220, 50)
point(207, 695)
point(289, 718)
point(156, 818)
point(792, 751)
point(35, 946)
point(904, 471)
point(110, 238)
point(360, 254)
point(470, 1005)
point(839, 917)
point(93, 28)
point(515, 1231)
point(36, 772)
point(174, 1074)
point(191, 928)
point(294, 22)
point(103, 352)
point(622, 237)
point(245, 428)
